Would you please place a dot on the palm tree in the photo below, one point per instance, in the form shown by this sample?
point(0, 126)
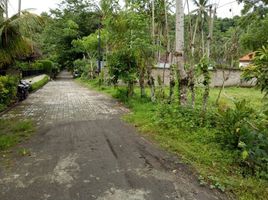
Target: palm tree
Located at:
point(13, 40)
point(202, 16)
point(179, 53)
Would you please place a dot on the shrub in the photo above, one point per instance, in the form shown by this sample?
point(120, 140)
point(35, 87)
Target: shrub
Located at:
point(36, 66)
point(82, 66)
point(8, 90)
point(243, 130)
point(46, 65)
point(183, 117)
point(259, 70)
point(122, 65)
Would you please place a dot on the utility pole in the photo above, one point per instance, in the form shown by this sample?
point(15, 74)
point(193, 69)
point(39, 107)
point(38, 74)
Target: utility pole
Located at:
point(19, 7)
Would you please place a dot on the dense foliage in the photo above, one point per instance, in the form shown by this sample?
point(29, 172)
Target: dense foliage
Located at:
point(14, 43)
point(73, 19)
point(242, 129)
point(259, 69)
point(8, 90)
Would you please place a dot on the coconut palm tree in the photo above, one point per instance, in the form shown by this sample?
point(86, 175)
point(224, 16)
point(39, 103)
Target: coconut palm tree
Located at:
point(202, 6)
point(179, 53)
point(13, 40)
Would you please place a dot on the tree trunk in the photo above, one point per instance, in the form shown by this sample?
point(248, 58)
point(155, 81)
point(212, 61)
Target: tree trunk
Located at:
point(179, 54)
point(151, 83)
point(91, 70)
point(211, 24)
point(192, 85)
point(130, 89)
point(142, 82)
point(205, 98)
point(192, 66)
point(149, 65)
point(153, 24)
point(168, 55)
point(171, 83)
point(206, 74)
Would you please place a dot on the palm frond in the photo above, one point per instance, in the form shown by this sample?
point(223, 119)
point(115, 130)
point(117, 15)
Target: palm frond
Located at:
point(13, 42)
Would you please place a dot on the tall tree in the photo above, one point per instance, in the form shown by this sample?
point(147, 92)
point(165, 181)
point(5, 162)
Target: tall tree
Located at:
point(73, 19)
point(179, 53)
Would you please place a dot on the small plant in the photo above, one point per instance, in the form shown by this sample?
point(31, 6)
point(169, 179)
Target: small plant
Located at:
point(215, 183)
point(24, 152)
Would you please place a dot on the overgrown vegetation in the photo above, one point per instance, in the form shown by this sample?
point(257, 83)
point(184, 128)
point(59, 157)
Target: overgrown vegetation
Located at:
point(8, 91)
point(13, 132)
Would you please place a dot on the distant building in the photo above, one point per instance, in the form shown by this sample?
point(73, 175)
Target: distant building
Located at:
point(246, 60)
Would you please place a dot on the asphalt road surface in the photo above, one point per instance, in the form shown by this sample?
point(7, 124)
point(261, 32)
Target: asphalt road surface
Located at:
point(84, 151)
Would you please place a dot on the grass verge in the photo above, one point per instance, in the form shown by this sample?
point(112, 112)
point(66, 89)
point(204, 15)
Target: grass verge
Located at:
point(195, 145)
point(37, 85)
point(13, 132)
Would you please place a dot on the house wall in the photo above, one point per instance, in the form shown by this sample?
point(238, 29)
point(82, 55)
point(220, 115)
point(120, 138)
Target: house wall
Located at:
point(243, 64)
point(161, 73)
point(233, 78)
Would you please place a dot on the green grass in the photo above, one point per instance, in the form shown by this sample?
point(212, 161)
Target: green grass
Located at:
point(37, 85)
point(195, 145)
point(13, 132)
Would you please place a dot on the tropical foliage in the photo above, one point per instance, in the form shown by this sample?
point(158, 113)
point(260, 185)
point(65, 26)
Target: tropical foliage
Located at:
point(131, 41)
point(13, 41)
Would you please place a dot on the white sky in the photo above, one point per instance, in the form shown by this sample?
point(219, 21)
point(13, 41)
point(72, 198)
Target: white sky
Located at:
point(44, 5)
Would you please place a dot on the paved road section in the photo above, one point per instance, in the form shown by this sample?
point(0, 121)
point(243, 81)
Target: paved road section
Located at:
point(83, 151)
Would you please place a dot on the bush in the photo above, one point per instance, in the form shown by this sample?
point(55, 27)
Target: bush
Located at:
point(183, 117)
point(8, 90)
point(46, 66)
point(243, 130)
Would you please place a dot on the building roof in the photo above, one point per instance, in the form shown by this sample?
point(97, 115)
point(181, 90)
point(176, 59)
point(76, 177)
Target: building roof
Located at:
point(247, 58)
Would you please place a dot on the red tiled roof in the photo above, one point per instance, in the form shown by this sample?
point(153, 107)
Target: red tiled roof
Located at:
point(247, 58)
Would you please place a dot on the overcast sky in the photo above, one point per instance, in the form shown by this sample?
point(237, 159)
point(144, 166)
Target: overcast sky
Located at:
point(227, 8)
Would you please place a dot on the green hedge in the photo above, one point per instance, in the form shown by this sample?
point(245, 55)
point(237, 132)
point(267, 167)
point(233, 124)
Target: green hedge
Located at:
point(47, 66)
point(39, 84)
